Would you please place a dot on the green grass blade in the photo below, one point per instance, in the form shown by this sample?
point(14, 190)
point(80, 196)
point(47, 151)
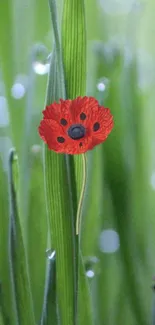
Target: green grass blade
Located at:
point(54, 18)
point(5, 288)
point(59, 207)
point(21, 286)
point(74, 60)
point(84, 311)
point(49, 314)
point(60, 216)
point(37, 233)
point(74, 47)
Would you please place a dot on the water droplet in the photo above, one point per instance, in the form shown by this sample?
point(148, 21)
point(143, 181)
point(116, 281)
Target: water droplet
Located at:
point(40, 68)
point(103, 89)
point(102, 84)
point(116, 7)
point(18, 89)
point(40, 64)
point(109, 241)
point(5, 146)
point(91, 266)
point(50, 254)
point(4, 113)
point(90, 273)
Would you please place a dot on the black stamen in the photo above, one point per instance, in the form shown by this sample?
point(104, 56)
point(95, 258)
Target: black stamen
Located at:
point(76, 131)
point(63, 121)
point(60, 139)
point(80, 144)
point(96, 126)
point(82, 116)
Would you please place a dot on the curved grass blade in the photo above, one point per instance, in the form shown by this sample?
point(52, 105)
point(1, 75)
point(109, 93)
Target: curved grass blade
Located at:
point(37, 233)
point(58, 200)
point(5, 283)
point(49, 314)
point(54, 18)
point(20, 278)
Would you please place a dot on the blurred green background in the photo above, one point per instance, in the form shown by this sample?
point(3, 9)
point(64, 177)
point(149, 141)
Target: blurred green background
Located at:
point(118, 242)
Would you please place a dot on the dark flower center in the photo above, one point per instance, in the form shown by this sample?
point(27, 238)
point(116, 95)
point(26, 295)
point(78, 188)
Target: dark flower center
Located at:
point(76, 131)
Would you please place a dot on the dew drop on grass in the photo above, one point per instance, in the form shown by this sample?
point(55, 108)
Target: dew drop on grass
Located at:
point(18, 91)
point(50, 254)
point(109, 241)
point(91, 266)
point(19, 87)
point(90, 273)
point(40, 64)
point(102, 89)
point(102, 84)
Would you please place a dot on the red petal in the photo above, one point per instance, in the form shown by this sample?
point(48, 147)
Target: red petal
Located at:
point(86, 105)
point(105, 119)
point(49, 130)
point(73, 147)
point(57, 111)
point(52, 111)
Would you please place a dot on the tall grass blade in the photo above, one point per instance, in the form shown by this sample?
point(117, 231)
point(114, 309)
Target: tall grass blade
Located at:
point(59, 201)
point(20, 277)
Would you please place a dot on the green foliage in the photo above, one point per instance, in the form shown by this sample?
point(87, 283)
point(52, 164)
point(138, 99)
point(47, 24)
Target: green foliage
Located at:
point(19, 273)
point(45, 268)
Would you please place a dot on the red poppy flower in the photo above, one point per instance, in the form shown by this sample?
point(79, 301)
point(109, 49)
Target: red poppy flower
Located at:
point(75, 126)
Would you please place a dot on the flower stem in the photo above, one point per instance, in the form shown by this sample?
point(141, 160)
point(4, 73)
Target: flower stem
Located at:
point(79, 210)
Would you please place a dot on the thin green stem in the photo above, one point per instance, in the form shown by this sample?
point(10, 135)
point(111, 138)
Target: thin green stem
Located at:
point(79, 210)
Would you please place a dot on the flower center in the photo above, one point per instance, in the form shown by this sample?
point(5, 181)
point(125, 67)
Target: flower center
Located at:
point(76, 131)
